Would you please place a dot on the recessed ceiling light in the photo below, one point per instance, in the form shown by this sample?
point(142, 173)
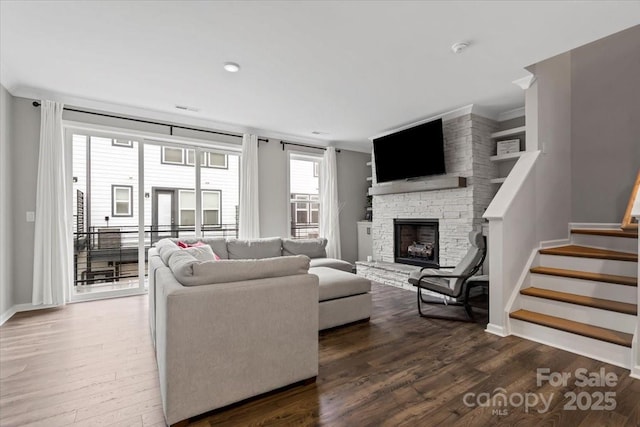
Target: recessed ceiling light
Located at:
point(459, 47)
point(317, 132)
point(231, 67)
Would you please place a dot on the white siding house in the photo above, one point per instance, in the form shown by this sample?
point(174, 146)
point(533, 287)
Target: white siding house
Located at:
point(111, 167)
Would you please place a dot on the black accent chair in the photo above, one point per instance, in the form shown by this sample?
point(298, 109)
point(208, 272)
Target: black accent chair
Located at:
point(452, 284)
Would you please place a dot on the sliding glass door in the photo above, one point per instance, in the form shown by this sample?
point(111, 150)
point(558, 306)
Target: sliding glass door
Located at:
point(106, 234)
point(128, 194)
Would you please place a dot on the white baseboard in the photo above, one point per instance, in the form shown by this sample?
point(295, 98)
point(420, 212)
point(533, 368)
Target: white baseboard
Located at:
point(635, 372)
point(602, 226)
point(17, 308)
point(554, 243)
point(7, 315)
point(496, 330)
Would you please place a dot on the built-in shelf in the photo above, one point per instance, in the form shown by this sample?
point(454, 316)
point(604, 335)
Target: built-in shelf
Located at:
point(507, 161)
point(503, 157)
point(424, 185)
point(508, 132)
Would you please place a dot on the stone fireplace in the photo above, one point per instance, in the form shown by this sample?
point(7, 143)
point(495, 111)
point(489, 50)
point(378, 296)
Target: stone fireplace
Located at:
point(416, 242)
point(456, 211)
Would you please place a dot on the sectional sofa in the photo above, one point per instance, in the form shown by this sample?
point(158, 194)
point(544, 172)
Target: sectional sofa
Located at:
point(231, 319)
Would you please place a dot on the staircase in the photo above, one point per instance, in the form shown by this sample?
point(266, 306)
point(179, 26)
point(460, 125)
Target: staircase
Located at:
point(583, 297)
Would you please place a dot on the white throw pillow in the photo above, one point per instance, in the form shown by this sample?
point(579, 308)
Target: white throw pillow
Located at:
point(201, 252)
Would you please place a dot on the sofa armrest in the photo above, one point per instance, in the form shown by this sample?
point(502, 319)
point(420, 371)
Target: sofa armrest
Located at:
point(221, 343)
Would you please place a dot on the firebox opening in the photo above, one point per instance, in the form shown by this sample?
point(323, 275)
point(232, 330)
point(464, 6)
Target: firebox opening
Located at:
point(416, 242)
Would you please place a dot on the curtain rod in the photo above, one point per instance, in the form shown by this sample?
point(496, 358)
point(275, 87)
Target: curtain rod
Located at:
point(303, 145)
point(171, 127)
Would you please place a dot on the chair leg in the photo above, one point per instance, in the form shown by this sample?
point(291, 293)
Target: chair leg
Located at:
point(421, 300)
point(467, 306)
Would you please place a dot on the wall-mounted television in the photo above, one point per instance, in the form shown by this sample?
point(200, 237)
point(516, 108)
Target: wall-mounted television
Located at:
point(410, 153)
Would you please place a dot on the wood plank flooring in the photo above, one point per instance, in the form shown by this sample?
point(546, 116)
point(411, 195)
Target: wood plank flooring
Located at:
point(93, 364)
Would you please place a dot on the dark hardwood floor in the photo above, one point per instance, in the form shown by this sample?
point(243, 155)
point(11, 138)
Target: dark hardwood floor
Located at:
point(92, 364)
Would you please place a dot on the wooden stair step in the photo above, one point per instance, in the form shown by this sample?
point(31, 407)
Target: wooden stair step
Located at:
point(606, 232)
point(589, 252)
point(585, 275)
point(587, 301)
point(590, 331)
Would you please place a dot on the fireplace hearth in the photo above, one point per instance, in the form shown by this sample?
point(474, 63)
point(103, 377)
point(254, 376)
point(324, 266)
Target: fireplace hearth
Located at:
point(416, 242)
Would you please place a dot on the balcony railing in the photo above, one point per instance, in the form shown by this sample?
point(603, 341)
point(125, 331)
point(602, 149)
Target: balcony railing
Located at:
point(110, 254)
point(304, 230)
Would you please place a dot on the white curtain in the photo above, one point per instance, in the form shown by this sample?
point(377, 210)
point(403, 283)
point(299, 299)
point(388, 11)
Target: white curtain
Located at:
point(249, 217)
point(52, 266)
point(329, 205)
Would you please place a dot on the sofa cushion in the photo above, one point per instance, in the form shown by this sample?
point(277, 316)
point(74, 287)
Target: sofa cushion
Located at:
point(201, 252)
point(195, 273)
point(338, 284)
point(332, 263)
point(218, 244)
point(313, 248)
point(254, 248)
point(165, 248)
point(181, 263)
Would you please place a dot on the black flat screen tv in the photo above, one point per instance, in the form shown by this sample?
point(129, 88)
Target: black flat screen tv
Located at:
point(410, 153)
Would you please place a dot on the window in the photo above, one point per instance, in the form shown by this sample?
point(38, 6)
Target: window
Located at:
point(305, 195)
point(121, 200)
point(122, 143)
point(316, 168)
point(187, 156)
point(217, 160)
point(210, 208)
point(173, 156)
point(306, 208)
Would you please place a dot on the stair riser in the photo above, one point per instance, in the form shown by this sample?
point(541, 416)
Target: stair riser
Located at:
point(579, 313)
point(602, 290)
point(621, 244)
point(593, 265)
point(595, 349)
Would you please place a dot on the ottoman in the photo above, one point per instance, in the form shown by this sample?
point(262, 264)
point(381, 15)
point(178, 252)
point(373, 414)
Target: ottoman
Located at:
point(344, 297)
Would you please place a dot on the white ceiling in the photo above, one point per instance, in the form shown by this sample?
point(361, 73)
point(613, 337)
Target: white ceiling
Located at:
point(350, 69)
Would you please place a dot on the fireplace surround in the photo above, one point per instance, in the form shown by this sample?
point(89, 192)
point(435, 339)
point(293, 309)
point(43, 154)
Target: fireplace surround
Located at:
point(416, 241)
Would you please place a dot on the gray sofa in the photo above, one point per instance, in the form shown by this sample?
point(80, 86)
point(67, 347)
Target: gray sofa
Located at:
point(229, 329)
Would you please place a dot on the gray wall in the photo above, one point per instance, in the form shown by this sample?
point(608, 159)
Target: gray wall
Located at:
point(24, 161)
point(352, 194)
point(6, 241)
point(553, 170)
point(605, 126)
point(352, 173)
point(272, 170)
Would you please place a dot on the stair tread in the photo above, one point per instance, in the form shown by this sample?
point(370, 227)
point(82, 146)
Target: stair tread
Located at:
point(583, 329)
point(606, 232)
point(585, 275)
point(589, 252)
point(584, 300)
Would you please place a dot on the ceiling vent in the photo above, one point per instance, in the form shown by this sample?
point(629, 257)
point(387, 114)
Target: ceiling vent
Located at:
point(185, 108)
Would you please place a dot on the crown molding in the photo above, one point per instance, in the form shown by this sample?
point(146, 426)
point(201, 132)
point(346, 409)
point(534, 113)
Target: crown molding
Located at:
point(511, 114)
point(525, 83)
